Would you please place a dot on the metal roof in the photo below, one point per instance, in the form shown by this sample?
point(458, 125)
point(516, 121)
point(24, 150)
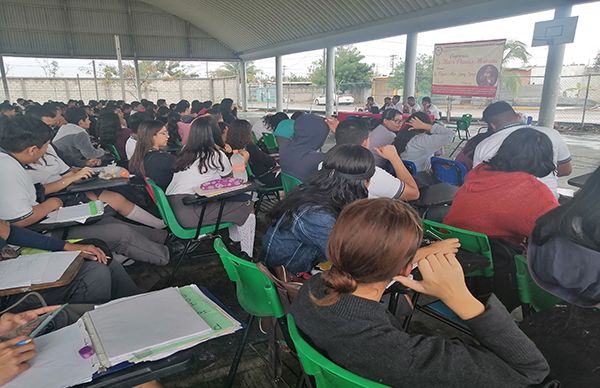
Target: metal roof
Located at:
point(225, 30)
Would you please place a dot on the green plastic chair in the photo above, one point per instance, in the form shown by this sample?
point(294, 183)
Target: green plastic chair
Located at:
point(270, 142)
point(166, 212)
point(289, 182)
point(530, 294)
point(263, 191)
point(462, 131)
point(469, 241)
point(254, 139)
point(114, 152)
point(255, 292)
point(327, 374)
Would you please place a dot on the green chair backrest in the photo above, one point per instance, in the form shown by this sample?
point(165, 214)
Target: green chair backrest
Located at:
point(256, 293)
point(326, 373)
point(529, 292)
point(289, 182)
point(254, 139)
point(469, 241)
point(113, 150)
point(168, 216)
point(270, 141)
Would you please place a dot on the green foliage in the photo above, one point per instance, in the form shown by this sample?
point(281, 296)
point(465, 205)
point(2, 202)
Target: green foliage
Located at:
point(297, 78)
point(233, 69)
point(596, 64)
point(515, 50)
point(149, 70)
point(424, 80)
point(350, 71)
point(511, 82)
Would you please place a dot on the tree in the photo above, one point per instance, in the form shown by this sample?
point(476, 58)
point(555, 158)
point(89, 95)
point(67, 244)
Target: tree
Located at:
point(233, 69)
point(297, 78)
point(424, 76)
point(596, 64)
point(515, 50)
point(50, 68)
point(350, 71)
point(149, 71)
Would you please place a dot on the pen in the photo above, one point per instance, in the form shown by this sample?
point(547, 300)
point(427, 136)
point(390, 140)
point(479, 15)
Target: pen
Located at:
point(24, 342)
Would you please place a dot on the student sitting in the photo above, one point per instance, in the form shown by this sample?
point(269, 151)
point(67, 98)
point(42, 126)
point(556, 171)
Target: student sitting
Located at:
point(53, 173)
point(503, 120)
point(73, 142)
point(385, 133)
point(382, 184)
point(134, 124)
point(96, 282)
point(301, 156)
point(422, 139)
point(110, 132)
point(302, 222)
point(268, 123)
point(339, 311)
point(502, 198)
point(263, 166)
point(564, 249)
point(148, 160)
point(24, 141)
point(199, 162)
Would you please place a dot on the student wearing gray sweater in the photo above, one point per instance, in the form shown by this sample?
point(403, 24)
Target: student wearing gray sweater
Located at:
point(340, 312)
point(73, 142)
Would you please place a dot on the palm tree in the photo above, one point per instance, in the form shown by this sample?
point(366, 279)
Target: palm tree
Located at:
point(515, 50)
point(233, 69)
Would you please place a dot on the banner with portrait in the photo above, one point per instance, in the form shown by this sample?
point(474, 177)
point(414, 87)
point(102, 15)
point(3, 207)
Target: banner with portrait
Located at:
point(467, 68)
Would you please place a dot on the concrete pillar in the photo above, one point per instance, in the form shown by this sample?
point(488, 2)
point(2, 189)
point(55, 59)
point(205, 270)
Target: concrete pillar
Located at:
point(278, 84)
point(410, 66)
point(243, 86)
point(329, 80)
point(136, 69)
point(551, 87)
point(120, 65)
point(4, 80)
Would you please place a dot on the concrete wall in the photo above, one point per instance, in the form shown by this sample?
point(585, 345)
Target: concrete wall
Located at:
point(63, 89)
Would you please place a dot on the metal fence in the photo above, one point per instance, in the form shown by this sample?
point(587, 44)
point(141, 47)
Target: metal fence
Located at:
point(173, 90)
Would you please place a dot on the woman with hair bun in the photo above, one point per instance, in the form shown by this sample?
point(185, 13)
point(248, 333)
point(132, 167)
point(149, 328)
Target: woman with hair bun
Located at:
point(373, 242)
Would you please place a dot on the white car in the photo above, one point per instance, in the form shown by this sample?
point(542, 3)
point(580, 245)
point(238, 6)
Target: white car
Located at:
point(342, 99)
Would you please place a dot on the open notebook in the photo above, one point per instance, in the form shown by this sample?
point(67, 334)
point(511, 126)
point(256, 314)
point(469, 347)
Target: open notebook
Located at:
point(140, 328)
point(39, 268)
point(78, 213)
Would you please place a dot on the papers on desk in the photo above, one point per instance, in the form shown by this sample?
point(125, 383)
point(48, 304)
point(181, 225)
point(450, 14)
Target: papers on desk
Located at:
point(58, 364)
point(155, 325)
point(144, 327)
point(39, 268)
point(77, 213)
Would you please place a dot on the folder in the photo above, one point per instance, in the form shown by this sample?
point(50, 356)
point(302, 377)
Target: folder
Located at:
point(128, 329)
point(78, 213)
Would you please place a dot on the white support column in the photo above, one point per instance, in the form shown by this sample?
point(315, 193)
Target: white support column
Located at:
point(119, 61)
point(95, 80)
point(4, 80)
point(551, 87)
point(243, 86)
point(278, 84)
point(329, 80)
point(410, 66)
point(136, 69)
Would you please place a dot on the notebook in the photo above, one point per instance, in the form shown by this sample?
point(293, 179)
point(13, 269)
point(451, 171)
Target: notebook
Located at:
point(38, 268)
point(148, 327)
point(77, 213)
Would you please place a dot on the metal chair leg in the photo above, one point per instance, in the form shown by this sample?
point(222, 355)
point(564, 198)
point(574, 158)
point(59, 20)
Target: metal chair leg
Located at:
point(238, 353)
point(179, 261)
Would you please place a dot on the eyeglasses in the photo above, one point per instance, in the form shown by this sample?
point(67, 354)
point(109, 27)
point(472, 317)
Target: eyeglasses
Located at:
point(164, 133)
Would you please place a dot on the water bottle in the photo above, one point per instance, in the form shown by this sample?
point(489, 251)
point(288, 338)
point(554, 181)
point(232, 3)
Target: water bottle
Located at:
point(238, 165)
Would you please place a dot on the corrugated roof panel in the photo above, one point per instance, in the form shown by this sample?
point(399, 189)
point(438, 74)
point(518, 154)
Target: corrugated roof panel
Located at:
point(101, 22)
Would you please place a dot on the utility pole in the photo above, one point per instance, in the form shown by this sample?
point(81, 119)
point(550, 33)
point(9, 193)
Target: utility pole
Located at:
point(95, 79)
point(393, 61)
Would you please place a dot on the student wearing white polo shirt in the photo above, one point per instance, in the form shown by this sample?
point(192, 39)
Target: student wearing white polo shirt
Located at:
point(382, 184)
point(24, 140)
point(503, 121)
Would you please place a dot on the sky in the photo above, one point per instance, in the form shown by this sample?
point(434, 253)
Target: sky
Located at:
point(378, 52)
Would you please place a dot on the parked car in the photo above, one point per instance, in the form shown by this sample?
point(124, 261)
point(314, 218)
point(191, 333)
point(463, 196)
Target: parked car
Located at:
point(342, 99)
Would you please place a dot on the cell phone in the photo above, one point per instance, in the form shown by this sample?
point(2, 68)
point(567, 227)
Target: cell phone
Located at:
point(34, 327)
point(432, 235)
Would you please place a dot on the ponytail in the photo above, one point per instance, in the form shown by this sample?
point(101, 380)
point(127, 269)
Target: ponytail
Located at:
point(337, 282)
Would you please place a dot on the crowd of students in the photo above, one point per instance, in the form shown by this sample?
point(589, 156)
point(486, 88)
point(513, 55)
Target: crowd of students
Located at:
point(352, 211)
